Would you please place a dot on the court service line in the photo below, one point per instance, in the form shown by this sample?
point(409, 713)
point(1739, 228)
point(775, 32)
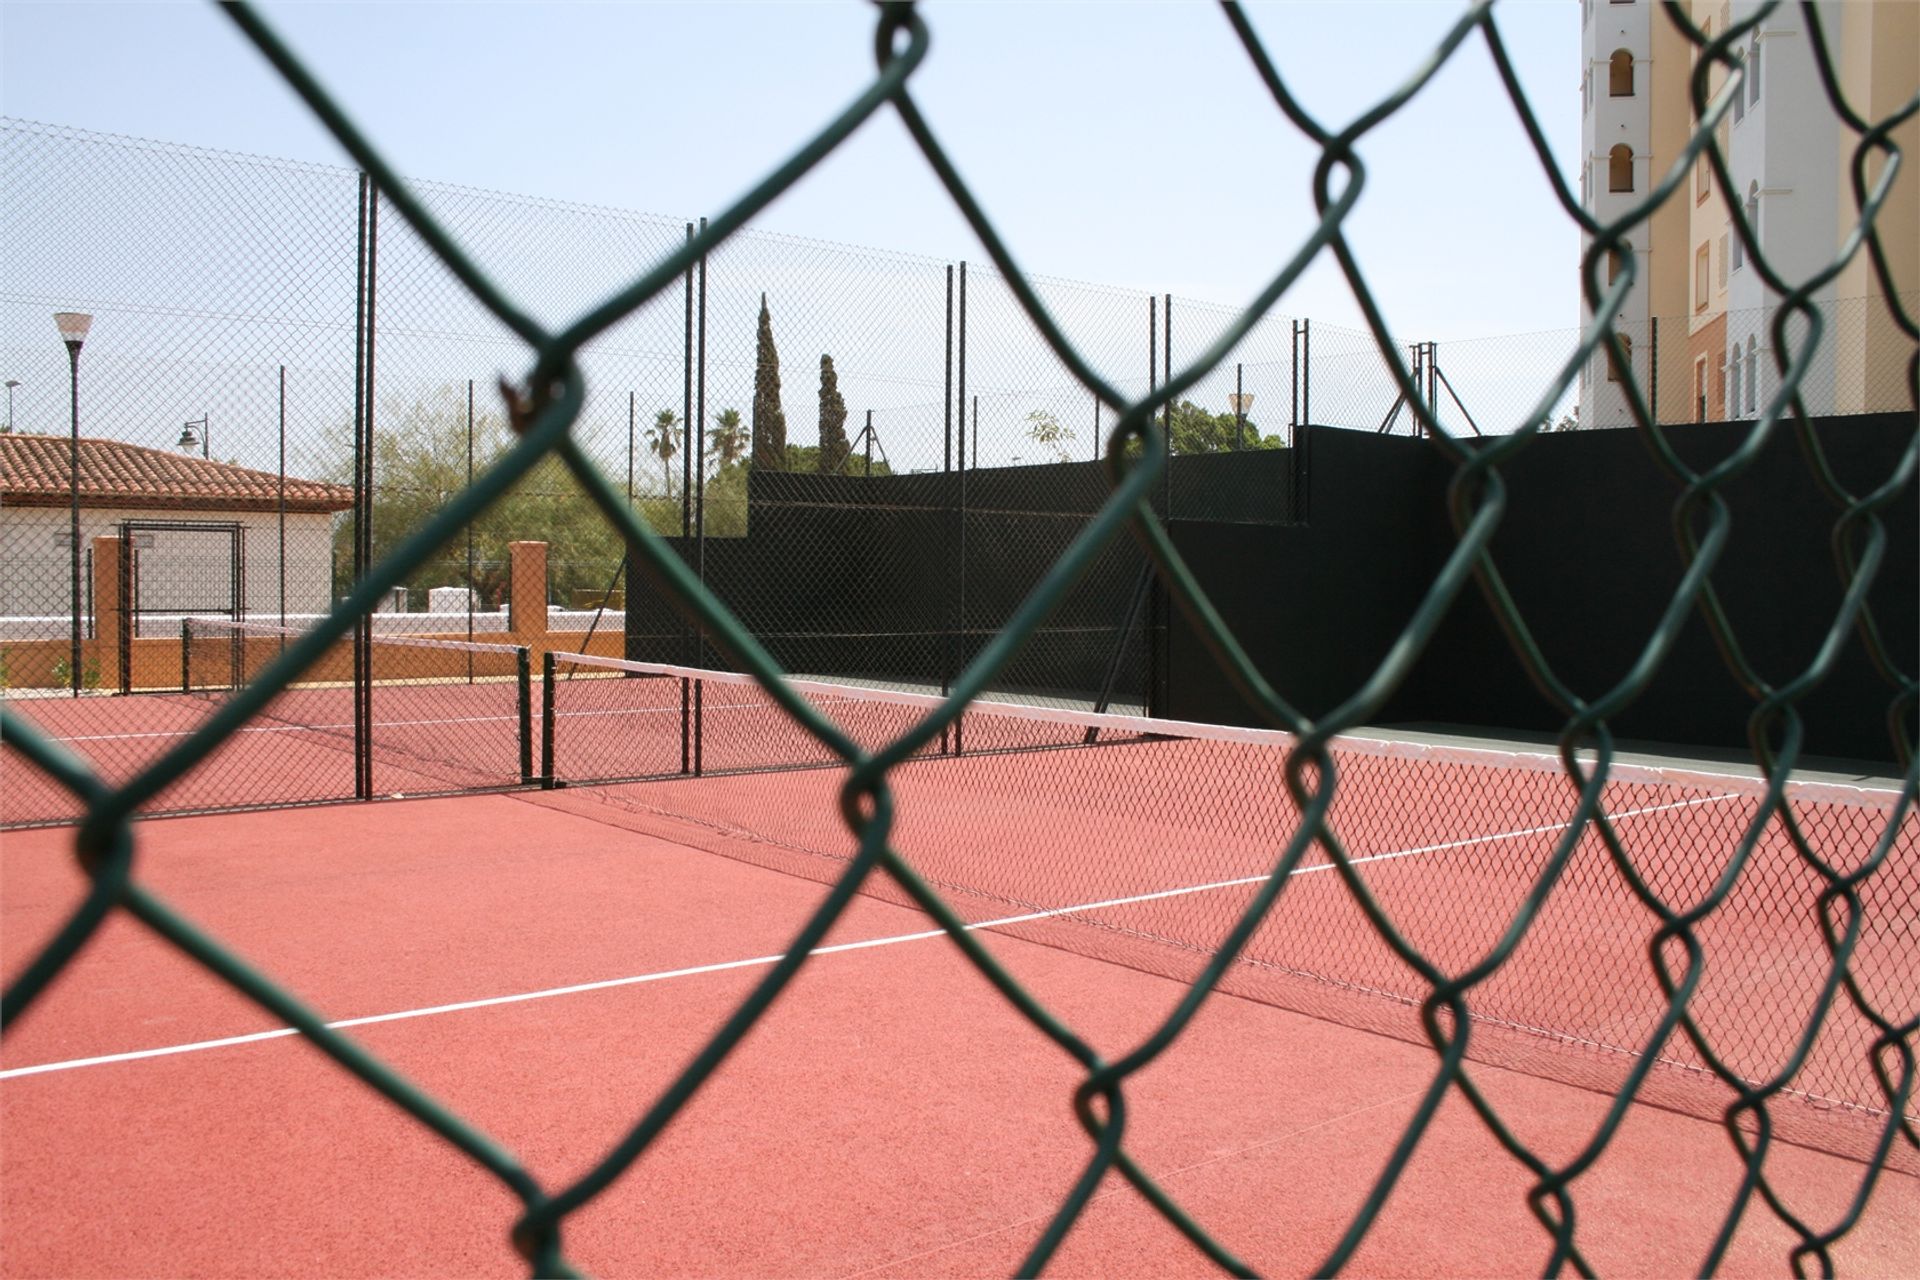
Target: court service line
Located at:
point(761, 962)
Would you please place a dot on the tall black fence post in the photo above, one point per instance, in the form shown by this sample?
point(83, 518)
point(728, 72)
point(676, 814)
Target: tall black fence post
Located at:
point(281, 504)
point(700, 506)
point(469, 531)
point(959, 575)
point(361, 515)
point(946, 470)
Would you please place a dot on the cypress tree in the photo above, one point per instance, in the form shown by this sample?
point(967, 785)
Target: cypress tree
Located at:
point(769, 423)
point(833, 421)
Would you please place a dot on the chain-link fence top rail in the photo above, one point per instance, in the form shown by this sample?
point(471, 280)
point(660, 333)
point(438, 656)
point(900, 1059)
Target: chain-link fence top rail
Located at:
point(546, 410)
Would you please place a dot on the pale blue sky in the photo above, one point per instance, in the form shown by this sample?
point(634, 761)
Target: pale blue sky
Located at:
point(1124, 144)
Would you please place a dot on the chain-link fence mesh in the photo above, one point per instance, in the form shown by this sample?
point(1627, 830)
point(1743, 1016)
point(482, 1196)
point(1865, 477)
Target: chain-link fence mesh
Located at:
point(647, 441)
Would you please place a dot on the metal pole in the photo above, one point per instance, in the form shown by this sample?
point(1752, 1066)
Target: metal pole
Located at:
point(959, 579)
point(1293, 368)
point(946, 467)
point(1096, 428)
point(1306, 372)
point(686, 411)
point(1239, 413)
point(283, 506)
point(360, 513)
point(700, 482)
point(73, 494)
point(469, 530)
point(630, 411)
point(1653, 370)
point(869, 435)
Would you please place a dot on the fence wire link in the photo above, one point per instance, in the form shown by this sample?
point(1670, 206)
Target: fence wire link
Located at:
point(543, 413)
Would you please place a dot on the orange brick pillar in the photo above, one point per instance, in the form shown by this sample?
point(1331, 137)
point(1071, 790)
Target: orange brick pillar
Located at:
point(527, 600)
point(103, 651)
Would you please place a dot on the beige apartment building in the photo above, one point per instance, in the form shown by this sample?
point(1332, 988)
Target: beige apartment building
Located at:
point(1699, 317)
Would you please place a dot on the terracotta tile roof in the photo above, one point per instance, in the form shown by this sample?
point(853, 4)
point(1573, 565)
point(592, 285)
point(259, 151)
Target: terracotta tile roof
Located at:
point(34, 473)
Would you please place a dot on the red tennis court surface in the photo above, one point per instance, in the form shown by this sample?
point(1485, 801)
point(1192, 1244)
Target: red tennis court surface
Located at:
point(891, 1116)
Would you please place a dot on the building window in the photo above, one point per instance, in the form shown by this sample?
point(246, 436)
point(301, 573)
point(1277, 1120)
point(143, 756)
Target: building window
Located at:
point(1626, 348)
point(1702, 178)
point(1753, 213)
point(1753, 74)
point(1700, 389)
point(1620, 74)
point(1614, 265)
point(1753, 374)
point(1720, 387)
point(1620, 168)
point(1723, 262)
point(1733, 379)
point(1740, 102)
point(1700, 258)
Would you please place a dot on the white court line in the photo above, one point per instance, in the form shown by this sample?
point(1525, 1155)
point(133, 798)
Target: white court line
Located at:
point(868, 944)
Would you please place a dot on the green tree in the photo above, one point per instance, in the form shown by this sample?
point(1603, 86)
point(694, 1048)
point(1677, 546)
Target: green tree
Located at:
point(663, 441)
point(1194, 430)
point(1046, 431)
point(727, 438)
point(806, 457)
point(833, 421)
point(769, 420)
point(420, 464)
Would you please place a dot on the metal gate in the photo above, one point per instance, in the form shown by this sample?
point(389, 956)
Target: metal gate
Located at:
point(176, 569)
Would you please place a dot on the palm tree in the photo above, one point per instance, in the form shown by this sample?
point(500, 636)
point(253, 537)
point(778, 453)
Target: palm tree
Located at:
point(663, 442)
point(728, 438)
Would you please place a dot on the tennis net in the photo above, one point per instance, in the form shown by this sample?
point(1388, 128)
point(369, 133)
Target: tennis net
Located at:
point(1142, 840)
point(440, 715)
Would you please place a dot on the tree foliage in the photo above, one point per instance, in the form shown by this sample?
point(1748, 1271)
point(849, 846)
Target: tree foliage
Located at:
point(663, 442)
point(727, 438)
point(420, 464)
point(1195, 430)
point(1045, 430)
point(833, 422)
point(769, 420)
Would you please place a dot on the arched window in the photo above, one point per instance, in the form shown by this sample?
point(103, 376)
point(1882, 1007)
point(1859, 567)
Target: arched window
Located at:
point(1753, 211)
point(1753, 74)
point(1753, 374)
point(1620, 74)
point(1733, 382)
point(1620, 168)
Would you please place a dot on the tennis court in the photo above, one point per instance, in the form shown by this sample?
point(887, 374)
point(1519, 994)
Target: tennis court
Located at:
point(548, 972)
point(844, 924)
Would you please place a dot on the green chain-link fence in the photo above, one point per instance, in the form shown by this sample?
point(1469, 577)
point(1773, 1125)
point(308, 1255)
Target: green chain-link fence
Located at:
point(545, 410)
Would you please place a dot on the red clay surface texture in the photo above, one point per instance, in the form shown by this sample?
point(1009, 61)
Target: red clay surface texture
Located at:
point(891, 1116)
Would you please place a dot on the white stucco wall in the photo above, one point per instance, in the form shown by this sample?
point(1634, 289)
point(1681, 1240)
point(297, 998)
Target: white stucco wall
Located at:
point(176, 571)
point(1606, 122)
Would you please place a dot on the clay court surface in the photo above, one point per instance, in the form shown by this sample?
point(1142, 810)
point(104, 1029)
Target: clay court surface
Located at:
point(891, 1115)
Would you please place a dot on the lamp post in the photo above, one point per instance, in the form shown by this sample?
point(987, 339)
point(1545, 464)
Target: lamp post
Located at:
point(11, 384)
point(1240, 402)
point(187, 443)
point(73, 326)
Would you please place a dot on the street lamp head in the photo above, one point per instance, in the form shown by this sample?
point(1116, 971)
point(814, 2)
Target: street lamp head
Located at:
point(187, 442)
point(73, 326)
point(12, 383)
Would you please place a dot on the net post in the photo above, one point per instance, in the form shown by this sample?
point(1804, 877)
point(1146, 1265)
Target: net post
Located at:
point(686, 725)
point(699, 726)
point(523, 687)
point(546, 720)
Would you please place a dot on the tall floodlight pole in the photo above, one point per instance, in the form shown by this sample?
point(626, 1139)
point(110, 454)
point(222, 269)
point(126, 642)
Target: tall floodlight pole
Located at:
point(11, 384)
point(73, 326)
